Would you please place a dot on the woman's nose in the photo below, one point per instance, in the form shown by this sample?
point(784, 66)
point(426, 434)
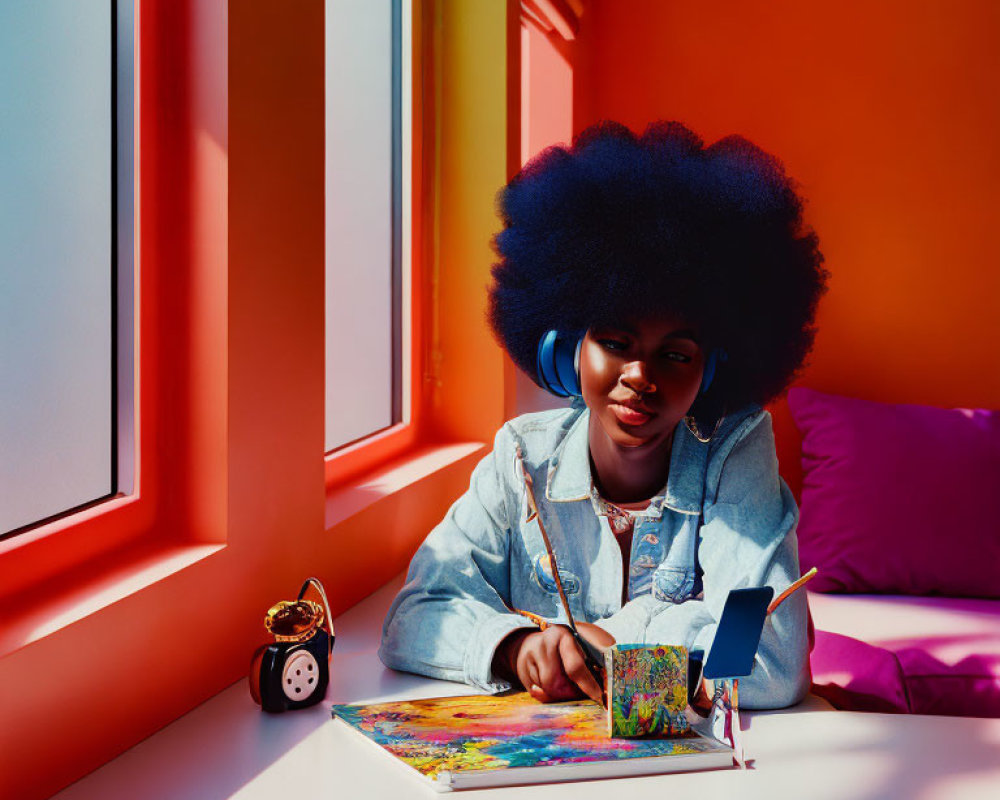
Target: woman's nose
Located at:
point(635, 375)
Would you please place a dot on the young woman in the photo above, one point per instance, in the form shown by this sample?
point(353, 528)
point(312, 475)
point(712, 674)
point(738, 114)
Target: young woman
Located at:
point(670, 288)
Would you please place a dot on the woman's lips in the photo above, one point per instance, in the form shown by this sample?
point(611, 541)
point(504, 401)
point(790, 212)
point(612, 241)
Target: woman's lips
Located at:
point(630, 416)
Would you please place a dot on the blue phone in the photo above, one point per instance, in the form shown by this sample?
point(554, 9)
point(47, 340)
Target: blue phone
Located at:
point(738, 634)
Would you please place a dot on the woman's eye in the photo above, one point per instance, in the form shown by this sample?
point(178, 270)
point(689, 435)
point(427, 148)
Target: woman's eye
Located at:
point(674, 355)
point(611, 344)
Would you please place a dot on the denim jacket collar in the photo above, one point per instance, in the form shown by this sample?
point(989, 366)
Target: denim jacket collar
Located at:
point(569, 478)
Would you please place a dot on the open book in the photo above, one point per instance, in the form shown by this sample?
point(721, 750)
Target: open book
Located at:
point(481, 741)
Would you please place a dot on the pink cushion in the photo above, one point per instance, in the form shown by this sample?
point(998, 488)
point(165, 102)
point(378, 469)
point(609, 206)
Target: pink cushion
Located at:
point(969, 687)
point(857, 676)
point(898, 499)
point(920, 654)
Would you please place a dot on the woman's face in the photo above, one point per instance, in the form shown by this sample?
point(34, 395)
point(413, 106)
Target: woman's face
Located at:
point(640, 378)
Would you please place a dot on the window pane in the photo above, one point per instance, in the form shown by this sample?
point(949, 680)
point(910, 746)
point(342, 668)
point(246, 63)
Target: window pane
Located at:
point(55, 257)
point(362, 220)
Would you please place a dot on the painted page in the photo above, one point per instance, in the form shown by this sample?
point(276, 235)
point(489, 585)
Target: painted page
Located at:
point(455, 735)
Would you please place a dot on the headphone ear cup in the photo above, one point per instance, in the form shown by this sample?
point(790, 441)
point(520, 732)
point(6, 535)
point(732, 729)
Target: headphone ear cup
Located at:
point(545, 367)
point(711, 363)
point(557, 364)
point(567, 363)
point(576, 368)
point(708, 374)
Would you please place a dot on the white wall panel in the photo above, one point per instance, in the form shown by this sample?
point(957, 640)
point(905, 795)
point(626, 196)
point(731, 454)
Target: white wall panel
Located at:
point(358, 219)
point(55, 257)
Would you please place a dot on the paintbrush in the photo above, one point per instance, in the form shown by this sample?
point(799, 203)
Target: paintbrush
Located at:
point(592, 656)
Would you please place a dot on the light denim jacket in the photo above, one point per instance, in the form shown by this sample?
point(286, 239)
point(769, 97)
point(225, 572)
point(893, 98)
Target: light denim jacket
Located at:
point(726, 520)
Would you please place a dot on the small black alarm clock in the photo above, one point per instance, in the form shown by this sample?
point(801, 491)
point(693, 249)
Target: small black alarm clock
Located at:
point(294, 671)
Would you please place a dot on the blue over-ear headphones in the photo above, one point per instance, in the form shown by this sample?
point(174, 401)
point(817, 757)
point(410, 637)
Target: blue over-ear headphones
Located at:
point(558, 364)
point(716, 355)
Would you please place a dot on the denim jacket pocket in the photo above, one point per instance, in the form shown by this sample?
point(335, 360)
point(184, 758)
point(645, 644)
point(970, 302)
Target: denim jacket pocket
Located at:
point(673, 584)
point(541, 573)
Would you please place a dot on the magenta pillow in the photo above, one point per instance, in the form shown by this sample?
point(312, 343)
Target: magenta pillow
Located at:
point(856, 676)
point(969, 687)
point(898, 499)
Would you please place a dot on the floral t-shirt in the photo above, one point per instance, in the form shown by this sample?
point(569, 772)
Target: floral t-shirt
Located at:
point(621, 520)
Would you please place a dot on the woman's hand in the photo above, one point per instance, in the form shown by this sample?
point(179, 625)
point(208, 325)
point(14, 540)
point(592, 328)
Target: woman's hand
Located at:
point(549, 663)
point(596, 636)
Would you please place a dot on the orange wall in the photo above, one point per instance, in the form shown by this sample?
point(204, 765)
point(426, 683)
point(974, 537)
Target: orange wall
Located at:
point(886, 113)
point(546, 81)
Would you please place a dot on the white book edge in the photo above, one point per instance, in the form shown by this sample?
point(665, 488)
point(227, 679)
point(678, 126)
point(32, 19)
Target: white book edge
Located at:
point(446, 781)
point(585, 770)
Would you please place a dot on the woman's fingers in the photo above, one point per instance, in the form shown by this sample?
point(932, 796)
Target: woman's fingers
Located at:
point(535, 670)
point(551, 667)
point(539, 667)
point(531, 679)
point(538, 693)
point(552, 678)
point(575, 667)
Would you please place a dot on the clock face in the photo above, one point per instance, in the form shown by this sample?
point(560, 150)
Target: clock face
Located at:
point(300, 677)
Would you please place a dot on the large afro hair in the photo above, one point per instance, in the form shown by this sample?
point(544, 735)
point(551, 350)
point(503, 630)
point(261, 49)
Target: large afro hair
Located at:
point(622, 226)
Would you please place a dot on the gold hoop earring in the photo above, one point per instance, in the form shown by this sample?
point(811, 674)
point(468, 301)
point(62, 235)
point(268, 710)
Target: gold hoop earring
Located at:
point(692, 425)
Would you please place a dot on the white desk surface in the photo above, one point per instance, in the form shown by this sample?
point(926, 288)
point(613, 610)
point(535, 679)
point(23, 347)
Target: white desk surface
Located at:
point(228, 748)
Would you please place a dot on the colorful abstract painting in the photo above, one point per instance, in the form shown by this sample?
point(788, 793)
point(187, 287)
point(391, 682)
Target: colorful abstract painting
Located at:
point(455, 734)
point(647, 690)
